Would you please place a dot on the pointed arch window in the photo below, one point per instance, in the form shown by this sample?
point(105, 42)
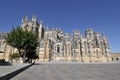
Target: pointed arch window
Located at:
point(58, 49)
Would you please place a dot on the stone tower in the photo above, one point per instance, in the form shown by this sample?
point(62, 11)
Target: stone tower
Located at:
point(33, 25)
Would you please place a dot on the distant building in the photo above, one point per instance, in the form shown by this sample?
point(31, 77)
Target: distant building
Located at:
point(115, 56)
point(55, 45)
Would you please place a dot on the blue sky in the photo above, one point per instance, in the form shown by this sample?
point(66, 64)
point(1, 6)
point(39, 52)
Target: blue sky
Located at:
point(101, 15)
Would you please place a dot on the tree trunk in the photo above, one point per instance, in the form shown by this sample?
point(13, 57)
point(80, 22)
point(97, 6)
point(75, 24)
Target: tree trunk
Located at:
point(24, 56)
point(20, 55)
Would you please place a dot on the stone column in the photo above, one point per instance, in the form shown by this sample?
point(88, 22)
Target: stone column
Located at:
point(46, 54)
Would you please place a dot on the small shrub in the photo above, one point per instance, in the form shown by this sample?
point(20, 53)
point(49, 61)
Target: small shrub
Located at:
point(14, 55)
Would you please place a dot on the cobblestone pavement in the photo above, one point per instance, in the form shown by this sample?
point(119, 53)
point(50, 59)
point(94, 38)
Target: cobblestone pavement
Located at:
point(76, 71)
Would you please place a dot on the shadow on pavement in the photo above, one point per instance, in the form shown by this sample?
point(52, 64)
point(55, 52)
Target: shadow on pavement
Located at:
point(14, 73)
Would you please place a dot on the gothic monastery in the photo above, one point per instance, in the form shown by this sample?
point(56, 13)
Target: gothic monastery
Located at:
point(55, 45)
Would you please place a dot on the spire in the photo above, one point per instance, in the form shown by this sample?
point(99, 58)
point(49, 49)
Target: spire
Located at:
point(34, 18)
point(25, 18)
point(47, 28)
point(104, 37)
point(53, 29)
point(56, 29)
point(41, 22)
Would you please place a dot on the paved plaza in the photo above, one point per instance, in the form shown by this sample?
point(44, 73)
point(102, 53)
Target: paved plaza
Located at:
point(10, 68)
point(71, 71)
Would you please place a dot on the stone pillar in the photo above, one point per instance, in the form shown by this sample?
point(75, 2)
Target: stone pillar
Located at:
point(40, 32)
point(46, 54)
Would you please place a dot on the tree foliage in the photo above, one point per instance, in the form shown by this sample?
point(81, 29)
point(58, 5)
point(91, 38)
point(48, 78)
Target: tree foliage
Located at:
point(14, 39)
point(22, 40)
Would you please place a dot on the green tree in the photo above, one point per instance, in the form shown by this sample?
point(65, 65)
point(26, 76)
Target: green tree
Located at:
point(29, 44)
point(14, 39)
point(23, 40)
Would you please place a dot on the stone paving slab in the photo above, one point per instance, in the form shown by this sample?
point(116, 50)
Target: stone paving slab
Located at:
point(10, 68)
point(71, 71)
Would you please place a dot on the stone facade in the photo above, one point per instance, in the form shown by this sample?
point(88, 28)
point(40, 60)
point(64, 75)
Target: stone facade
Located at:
point(55, 45)
point(5, 50)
